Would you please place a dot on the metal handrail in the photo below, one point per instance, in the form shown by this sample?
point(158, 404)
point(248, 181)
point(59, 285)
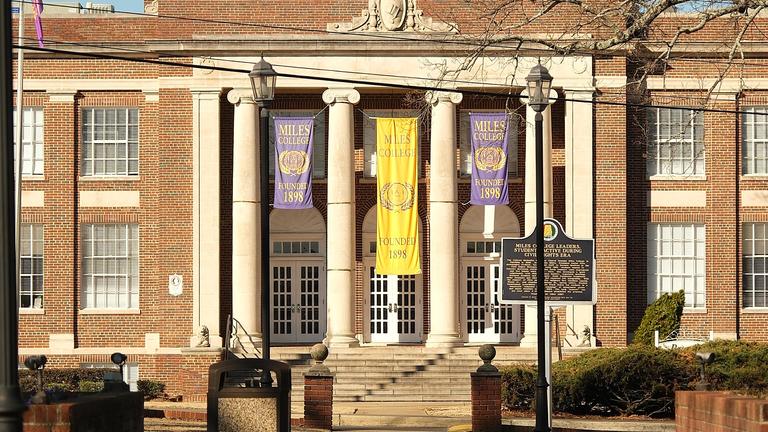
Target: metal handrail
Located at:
point(232, 330)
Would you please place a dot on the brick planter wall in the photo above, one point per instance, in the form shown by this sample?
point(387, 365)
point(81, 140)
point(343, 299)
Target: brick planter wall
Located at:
point(719, 412)
point(486, 402)
point(115, 412)
point(318, 401)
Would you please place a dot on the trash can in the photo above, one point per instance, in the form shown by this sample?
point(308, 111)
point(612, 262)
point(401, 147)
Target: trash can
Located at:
point(239, 399)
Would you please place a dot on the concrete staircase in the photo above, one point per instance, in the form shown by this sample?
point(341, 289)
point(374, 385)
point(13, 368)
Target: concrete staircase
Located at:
point(397, 373)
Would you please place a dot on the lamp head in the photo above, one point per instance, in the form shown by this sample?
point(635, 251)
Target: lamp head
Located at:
point(119, 358)
point(705, 358)
point(263, 78)
point(35, 362)
point(539, 83)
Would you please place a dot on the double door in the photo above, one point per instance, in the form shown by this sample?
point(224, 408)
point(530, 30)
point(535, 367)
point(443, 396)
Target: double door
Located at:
point(486, 319)
point(297, 306)
point(394, 307)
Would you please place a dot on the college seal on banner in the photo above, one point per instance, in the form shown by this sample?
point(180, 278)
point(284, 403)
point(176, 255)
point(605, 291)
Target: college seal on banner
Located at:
point(397, 196)
point(490, 158)
point(293, 162)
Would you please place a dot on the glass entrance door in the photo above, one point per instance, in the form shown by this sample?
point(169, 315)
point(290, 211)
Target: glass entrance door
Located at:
point(298, 302)
point(486, 319)
point(394, 308)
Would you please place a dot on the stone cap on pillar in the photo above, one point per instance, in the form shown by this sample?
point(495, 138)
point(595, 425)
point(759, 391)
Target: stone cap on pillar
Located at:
point(487, 353)
point(319, 353)
point(341, 95)
point(240, 95)
point(435, 97)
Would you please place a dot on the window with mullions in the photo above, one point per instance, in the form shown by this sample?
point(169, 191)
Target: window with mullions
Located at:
point(676, 261)
point(32, 161)
point(110, 141)
point(483, 247)
point(465, 144)
point(369, 137)
point(110, 266)
point(319, 152)
point(675, 142)
point(31, 253)
point(295, 247)
point(755, 141)
point(755, 264)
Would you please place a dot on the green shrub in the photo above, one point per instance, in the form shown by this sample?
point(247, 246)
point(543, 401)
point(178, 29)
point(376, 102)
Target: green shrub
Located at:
point(150, 389)
point(662, 315)
point(91, 386)
point(56, 387)
point(68, 377)
point(518, 386)
point(738, 366)
point(638, 380)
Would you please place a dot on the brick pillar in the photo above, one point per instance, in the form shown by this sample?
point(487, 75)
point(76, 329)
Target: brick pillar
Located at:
point(318, 391)
point(486, 393)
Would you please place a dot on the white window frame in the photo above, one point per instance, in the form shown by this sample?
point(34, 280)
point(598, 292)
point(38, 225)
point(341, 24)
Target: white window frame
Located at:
point(754, 255)
point(318, 140)
point(369, 137)
point(32, 249)
point(110, 279)
point(754, 140)
point(465, 143)
point(677, 261)
point(102, 148)
point(32, 139)
point(662, 144)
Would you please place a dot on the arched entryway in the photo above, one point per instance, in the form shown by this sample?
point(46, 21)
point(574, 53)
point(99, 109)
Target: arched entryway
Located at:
point(484, 320)
point(297, 257)
point(393, 304)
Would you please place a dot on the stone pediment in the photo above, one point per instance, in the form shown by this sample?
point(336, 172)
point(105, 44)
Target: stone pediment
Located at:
point(393, 16)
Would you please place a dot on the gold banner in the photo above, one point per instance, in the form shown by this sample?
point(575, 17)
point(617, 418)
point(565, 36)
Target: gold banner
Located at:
point(397, 219)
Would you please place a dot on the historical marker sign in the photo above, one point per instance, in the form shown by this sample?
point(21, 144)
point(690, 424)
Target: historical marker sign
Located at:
point(568, 267)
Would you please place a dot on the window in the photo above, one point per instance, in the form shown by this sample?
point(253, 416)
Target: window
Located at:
point(130, 372)
point(110, 141)
point(754, 269)
point(319, 153)
point(31, 290)
point(295, 247)
point(755, 141)
point(465, 145)
point(675, 142)
point(32, 141)
point(111, 266)
point(369, 137)
point(483, 247)
point(676, 258)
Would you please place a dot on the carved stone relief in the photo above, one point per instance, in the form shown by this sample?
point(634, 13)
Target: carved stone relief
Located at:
point(393, 15)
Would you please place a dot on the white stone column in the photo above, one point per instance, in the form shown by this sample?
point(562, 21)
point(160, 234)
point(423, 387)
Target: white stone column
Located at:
point(205, 268)
point(529, 338)
point(246, 218)
point(443, 222)
point(341, 217)
point(578, 193)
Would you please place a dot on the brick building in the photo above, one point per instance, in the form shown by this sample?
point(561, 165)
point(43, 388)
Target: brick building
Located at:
point(137, 176)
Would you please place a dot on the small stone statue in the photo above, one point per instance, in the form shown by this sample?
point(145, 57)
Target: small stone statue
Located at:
point(586, 337)
point(202, 339)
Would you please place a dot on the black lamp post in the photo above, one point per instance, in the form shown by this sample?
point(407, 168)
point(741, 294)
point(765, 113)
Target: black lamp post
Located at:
point(263, 84)
point(11, 405)
point(539, 83)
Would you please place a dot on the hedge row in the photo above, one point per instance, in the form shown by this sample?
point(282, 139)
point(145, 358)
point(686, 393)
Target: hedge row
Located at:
point(61, 379)
point(638, 380)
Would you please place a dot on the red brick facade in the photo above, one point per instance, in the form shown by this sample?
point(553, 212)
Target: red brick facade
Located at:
point(622, 210)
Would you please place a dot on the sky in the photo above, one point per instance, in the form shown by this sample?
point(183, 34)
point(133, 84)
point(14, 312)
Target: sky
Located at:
point(126, 5)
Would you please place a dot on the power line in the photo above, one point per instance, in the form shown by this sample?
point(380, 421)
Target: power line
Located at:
point(384, 36)
point(375, 83)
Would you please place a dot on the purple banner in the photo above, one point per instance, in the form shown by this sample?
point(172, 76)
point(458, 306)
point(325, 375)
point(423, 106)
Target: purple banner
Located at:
point(293, 162)
point(488, 135)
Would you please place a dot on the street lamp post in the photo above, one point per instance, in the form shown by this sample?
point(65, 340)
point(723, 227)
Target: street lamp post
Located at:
point(11, 405)
point(539, 82)
point(263, 84)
